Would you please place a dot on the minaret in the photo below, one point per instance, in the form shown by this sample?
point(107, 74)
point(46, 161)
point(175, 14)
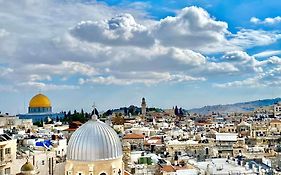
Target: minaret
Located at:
point(143, 106)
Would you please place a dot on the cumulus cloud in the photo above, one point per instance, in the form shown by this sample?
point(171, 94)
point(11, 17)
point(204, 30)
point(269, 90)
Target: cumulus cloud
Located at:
point(39, 76)
point(267, 53)
point(219, 68)
point(241, 60)
point(64, 68)
point(192, 28)
point(147, 78)
point(65, 41)
point(247, 38)
point(117, 31)
point(270, 76)
point(188, 57)
point(267, 21)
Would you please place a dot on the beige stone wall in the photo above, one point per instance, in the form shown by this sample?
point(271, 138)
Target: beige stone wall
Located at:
point(109, 167)
point(43, 162)
point(7, 159)
point(187, 148)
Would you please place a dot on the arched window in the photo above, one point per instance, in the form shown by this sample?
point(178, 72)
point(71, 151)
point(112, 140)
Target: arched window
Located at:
point(102, 174)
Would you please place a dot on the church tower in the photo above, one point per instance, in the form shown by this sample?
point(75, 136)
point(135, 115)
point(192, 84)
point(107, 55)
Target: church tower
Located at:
point(143, 106)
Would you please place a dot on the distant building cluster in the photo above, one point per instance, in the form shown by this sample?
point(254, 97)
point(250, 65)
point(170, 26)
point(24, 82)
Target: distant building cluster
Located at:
point(152, 142)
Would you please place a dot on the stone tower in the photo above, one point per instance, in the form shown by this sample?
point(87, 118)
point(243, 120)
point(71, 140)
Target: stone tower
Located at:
point(126, 155)
point(143, 106)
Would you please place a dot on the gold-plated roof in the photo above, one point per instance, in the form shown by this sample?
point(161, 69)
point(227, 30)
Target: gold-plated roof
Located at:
point(40, 100)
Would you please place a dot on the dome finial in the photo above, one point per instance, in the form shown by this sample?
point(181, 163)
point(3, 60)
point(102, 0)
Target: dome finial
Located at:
point(94, 116)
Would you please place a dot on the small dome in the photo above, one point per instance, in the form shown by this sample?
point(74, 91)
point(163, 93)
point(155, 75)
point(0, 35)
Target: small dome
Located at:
point(27, 167)
point(40, 100)
point(94, 141)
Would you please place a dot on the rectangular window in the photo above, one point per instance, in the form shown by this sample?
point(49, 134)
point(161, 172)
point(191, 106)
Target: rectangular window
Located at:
point(8, 151)
point(1, 155)
point(7, 171)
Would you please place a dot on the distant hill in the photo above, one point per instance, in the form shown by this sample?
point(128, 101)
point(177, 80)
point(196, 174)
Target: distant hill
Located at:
point(236, 107)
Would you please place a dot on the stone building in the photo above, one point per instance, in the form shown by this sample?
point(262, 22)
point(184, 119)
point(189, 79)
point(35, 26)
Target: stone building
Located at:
point(94, 149)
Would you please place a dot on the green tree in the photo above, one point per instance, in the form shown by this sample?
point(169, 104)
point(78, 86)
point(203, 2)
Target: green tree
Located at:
point(176, 111)
point(118, 120)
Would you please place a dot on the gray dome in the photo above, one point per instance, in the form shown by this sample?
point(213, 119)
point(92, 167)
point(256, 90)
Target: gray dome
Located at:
point(94, 141)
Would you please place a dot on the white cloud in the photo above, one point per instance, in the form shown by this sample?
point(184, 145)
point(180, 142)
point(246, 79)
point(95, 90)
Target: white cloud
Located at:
point(255, 20)
point(219, 67)
point(274, 60)
point(36, 77)
point(5, 71)
point(188, 57)
point(192, 28)
point(249, 82)
point(267, 53)
point(147, 78)
point(248, 38)
point(241, 60)
point(58, 47)
point(270, 76)
point(267, 21)
point(45, 87)
point(64, 68)
point(118, 31)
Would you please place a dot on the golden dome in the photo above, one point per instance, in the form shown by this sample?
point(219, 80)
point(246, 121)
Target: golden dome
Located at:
point(40, 100)
point(27, 167)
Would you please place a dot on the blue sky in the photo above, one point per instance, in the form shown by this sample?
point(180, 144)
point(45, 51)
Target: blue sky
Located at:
point(187, 53)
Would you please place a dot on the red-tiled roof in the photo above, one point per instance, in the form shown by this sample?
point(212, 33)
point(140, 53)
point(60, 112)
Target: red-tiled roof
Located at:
point(77, 122)
point(275, 121)
point(70, 129)
point(168, 168)
point(133, 136)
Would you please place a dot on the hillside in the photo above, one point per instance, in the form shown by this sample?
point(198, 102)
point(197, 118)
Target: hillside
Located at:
point(236, 107)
